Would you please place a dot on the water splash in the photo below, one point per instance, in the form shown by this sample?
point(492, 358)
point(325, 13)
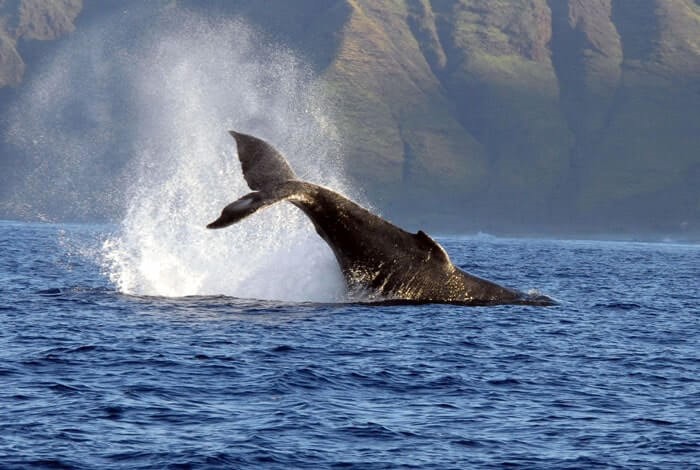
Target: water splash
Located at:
point(174, 89)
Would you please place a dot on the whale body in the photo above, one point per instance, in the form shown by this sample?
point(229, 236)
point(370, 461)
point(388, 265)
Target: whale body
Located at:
point(378, 260)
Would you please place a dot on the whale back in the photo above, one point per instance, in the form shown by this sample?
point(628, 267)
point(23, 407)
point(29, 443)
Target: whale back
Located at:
point(263, 166)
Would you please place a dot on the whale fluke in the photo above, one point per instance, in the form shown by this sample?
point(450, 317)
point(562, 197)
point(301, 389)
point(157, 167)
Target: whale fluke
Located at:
point(263, 166)
point(240, 209)
point(378, 260)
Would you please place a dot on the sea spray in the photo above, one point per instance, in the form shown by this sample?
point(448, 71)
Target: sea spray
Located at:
point(173, 90)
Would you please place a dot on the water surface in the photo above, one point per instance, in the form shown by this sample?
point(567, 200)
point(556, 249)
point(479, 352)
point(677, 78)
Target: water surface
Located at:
point(94, 378)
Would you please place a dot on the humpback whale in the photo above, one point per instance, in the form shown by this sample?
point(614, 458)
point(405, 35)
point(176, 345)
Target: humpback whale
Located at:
point(378, 259)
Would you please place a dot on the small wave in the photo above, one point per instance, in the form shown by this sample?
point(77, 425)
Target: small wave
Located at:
point(305, 377)
point(48, 463)
point(69, 350)
point(4, 372)
point(113, 412)
point(504, 382)
point(52, 292)
point(371, 430)
point(73, 290)
point(471, 443)
point(655, 421)
point(65, 389)
point(620, 305)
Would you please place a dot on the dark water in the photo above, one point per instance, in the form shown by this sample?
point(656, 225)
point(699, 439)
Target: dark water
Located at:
point(91, 378)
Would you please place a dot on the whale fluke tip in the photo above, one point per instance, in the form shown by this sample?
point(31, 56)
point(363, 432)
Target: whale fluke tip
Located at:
point(263, 166)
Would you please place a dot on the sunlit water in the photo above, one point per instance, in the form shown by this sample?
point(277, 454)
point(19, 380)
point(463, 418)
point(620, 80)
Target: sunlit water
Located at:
point(94, 378)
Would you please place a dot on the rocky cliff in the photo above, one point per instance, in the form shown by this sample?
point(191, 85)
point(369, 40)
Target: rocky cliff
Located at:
point(489, 114)
point(563, 111)
point(23, 21)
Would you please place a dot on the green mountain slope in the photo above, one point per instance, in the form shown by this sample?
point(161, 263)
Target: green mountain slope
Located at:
point(582, 112)
point(502, 115)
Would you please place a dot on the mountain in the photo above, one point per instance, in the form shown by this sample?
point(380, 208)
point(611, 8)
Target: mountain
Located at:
point(507, 116)
point(24, 21)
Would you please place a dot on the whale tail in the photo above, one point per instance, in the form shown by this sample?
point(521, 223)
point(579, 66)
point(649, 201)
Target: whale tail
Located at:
point(266, 171)
point(373, 254)
point(263, 166)
point(242, 208)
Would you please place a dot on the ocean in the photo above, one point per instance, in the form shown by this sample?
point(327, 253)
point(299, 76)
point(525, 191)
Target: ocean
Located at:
point(95, 374)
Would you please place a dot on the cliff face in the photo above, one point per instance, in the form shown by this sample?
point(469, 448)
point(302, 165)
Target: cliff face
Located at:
point(632, 100)
point(27, 20)
point(488, 114)
point(579, 111)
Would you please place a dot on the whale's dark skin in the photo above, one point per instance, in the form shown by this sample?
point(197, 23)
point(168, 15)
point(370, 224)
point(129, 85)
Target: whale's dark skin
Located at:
point(379, 260)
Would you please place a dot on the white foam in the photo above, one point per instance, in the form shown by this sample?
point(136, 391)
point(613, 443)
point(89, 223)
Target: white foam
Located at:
point(187, 82)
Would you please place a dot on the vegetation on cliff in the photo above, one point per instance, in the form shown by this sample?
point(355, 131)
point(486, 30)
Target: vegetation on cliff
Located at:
point(488, 114)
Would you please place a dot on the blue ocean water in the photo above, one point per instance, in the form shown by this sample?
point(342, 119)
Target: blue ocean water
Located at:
point(609, 378)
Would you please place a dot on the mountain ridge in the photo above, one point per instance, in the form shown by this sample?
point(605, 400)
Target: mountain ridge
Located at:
point(502, 115)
